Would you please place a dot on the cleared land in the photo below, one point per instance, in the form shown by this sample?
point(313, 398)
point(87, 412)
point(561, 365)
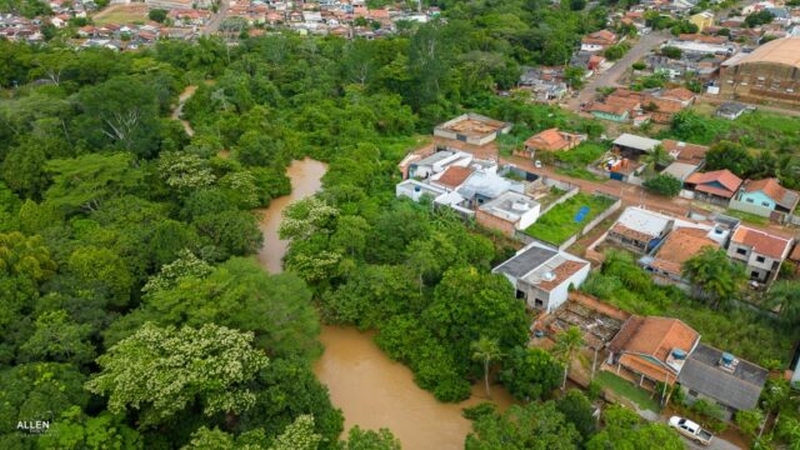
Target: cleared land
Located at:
point(121, 14)
point(560, 223)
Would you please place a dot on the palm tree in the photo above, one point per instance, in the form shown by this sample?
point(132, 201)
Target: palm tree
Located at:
point(714, 276)
point(786, 295)
point(568, 343)
point(658, 158)
point(486, 350)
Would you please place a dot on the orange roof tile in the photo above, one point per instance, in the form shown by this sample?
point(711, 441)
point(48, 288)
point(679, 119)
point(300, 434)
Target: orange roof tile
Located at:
point(680, 93)
point(649, 369)
point(762, 242)
point(679, 246)
point(562, 272)
point(454, 176)
point(795, 256)
point(686, 152)
point(730, 183)
point(775, 191)
point(550, 139)
point(654, 336)
point(631, 233)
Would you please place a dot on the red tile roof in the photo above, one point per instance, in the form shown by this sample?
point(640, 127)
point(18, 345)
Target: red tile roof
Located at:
point(679, 246)
point(775, 191)
point(562, 273)
point(454, 176)
point(795, 256)
point(686, 152)
point(762, 242)
point(551, 140)
point(730, 183)
point(654, 336)
point(680, 93)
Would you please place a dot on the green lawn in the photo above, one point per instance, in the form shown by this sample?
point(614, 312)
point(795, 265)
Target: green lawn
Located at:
point(747, 217)
point(559, 223)
point(625, 388)
point(582, 155)
point(582, 173)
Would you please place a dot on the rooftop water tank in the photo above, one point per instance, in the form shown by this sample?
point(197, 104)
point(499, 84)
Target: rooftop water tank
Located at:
point(727, 359)
point(678, 354)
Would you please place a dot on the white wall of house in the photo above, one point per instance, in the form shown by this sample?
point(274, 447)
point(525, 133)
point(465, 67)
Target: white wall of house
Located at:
point(529, 217)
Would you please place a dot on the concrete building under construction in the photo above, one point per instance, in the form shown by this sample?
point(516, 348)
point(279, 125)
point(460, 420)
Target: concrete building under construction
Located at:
point(771, 73)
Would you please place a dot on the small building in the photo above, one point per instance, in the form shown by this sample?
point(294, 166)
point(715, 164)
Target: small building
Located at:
point(731, 110)
point(650, 350)
point(717, 187)
point(632, 146)
point(732, 383)
point(509, 212)
point(679, 246)
point(684, 152)
point(472, 128)
point(452, 177)
point(762, 197)
point(415, 190)
point(640, 230)
point(437, 163)
point(762, 252)
point(598, 41)
point(680, 170)
point(702, 20)
point(615, 113)
point(543, 276)
point(552, 140)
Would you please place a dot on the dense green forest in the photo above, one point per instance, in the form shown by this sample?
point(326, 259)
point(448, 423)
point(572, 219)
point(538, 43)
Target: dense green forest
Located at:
point(133, 314)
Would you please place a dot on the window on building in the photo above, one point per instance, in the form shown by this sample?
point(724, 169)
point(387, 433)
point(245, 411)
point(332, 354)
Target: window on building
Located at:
point(760, 259)
point(765, 204)
point(539, 303)
point(754, 274)
point(750, 200)
point(692, 393)
point(741, 251)
point(520, 294)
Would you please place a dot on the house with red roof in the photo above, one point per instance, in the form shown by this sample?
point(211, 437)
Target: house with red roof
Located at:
point(762, 197)
point(761, 251)
point(552, 140)
point(598, 41)
point(650, 350)
point(718, 186)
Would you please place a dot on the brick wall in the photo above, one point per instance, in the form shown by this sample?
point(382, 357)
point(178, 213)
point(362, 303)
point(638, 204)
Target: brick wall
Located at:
point(495, 223)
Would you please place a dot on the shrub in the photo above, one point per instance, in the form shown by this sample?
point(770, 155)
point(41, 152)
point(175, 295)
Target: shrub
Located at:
point(664, 184)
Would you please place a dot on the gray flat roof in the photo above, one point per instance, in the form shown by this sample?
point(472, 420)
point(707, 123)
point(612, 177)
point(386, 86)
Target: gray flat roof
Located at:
point(740, 389)
point(637, 142)
point(523, 263)
point(434, 158)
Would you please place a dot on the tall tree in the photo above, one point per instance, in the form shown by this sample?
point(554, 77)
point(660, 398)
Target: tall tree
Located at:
point(714, 275)
point(162, 371)
point(486, 350)
point(624, 429)
point(785, 294)
point(535, 426)
point(567, 343)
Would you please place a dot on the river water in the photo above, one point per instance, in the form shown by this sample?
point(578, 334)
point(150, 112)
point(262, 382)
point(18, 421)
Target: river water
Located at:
point(372, 390)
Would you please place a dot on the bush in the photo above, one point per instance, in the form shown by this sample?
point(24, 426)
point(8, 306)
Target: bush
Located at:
point(157, 15)
point(639, 65)
point(671, 52)
point(664, 184)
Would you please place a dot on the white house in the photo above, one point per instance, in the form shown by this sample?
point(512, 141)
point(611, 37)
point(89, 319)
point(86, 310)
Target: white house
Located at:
point(543, 276)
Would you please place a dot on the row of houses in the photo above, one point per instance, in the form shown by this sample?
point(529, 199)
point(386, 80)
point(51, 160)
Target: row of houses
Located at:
point(639, 108)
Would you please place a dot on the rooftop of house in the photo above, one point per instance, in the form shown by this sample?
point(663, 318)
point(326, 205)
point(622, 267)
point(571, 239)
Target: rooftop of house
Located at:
point(617, 110)
point(761, 242)
point(641, 224)
point(730, 183)
point(680, 93)
point(435, 158)
point(510, 206)
point(654, 336)
point(770, 186)
point(454, 176)
point(795, 255)
point(640, 143)
point(683, 151)
point(679, 246)
point(551, 139)
point(473, 125)
point(680, 170)
point(488, 184)
point(554, 272)
point(731, 108)
point(738, 385)
point(526, 260)
point(601, 36)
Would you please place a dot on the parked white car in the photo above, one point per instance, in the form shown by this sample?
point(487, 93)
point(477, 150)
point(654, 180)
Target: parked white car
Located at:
point(691, 430)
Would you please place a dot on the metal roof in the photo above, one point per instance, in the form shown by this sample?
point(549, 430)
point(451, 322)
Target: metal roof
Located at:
point(526, 261)
point(637, 142)
point(740, 389)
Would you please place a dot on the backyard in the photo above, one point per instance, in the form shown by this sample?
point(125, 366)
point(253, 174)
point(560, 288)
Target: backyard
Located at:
point(568, 218)
point(626, 389)
point(121, 14)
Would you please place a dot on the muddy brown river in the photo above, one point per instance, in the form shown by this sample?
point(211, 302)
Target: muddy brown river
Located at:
point(372, 390)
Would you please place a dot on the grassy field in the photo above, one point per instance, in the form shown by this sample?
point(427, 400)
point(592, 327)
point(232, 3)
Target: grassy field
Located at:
point(121, 14)
point(747, 217)
point(559, 223)
point(625, 388)
point(582, 155)
point(759, 129)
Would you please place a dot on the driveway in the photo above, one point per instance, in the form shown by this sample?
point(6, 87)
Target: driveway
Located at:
point(646, 43)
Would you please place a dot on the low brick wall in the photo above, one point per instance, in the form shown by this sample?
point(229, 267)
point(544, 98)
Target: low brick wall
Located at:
point(495, 223)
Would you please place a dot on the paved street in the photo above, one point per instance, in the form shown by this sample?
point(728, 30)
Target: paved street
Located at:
point(213, 25)
point(646, 43)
